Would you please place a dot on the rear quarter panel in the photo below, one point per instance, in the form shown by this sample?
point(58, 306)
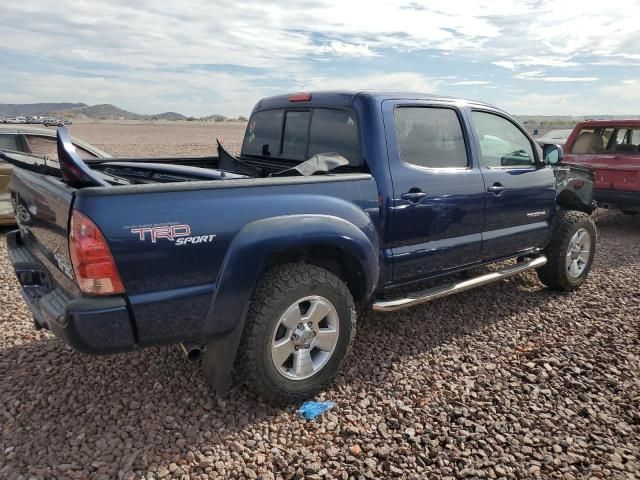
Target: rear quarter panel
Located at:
point(171, 287)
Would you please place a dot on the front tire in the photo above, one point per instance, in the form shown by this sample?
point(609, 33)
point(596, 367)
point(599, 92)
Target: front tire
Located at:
point(299, 329)
point(570, 252)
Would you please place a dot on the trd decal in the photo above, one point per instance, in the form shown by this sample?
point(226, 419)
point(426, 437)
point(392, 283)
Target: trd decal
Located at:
point(179, 234)
point(170, 232)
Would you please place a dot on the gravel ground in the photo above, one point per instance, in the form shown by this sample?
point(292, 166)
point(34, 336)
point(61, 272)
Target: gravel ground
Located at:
point(507, 381)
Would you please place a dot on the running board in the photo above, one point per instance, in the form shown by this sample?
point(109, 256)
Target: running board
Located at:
point(445, 290)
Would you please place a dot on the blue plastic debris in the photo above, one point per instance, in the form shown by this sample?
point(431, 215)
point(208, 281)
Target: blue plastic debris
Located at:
point(310, 410)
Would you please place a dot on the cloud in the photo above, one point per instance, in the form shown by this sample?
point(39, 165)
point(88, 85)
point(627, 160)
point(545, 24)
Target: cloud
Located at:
point(505, 64)
point(399, 81)
point(347, 49)
point(628, 89)
point(203, 56)
point(470, 82)
point(539, 75)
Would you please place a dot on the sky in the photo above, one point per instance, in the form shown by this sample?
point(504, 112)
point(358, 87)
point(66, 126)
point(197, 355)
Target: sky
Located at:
point(199, 57)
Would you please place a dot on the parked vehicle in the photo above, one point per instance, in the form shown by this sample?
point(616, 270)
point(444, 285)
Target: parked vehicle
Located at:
point(52, 122)
point(15, 120)
point(557, 137)
point(612, 149)
point(336, 198)
point(37, 141)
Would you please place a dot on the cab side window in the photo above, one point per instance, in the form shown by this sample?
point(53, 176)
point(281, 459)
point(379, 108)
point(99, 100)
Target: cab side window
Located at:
point(42, 146)
point(502, 144)
point(430, 137)
point(48, 147)
point(9, 142)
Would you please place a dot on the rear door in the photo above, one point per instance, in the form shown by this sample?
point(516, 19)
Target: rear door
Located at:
point(437, 210)
point(520, 193)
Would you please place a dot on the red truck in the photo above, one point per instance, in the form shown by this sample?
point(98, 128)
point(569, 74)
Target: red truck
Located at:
point(611, 148)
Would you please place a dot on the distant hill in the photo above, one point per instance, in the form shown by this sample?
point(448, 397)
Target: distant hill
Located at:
point(215, 118)
point(107, 111)
point(96, 112)
point(28, 109)
point(169, 116)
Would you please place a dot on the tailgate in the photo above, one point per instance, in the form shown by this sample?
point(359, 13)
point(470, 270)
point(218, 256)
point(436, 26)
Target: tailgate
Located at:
point(625, 179)
point(611, 172)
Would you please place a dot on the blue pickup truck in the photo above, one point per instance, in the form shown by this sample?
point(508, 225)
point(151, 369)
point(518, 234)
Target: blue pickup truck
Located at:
point(257, 261)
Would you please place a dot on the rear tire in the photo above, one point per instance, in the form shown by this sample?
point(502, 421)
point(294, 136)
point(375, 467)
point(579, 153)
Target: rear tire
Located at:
point(570, 252)
point(299, 329)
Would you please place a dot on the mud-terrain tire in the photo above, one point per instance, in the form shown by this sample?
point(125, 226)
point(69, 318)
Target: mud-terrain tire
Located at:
point(570, 251)
point(274, 353)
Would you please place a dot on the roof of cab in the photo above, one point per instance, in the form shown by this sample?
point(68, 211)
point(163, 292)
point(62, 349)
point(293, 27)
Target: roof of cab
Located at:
point(345, 98)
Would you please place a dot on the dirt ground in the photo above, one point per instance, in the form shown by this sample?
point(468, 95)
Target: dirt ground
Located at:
point(507, 381)
point(160, 139)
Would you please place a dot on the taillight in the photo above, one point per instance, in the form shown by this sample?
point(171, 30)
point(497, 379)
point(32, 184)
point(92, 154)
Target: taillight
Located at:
point(93, 264)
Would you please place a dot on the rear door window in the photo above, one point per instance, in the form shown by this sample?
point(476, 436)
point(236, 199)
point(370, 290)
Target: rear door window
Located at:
point(430, 137)
point(262, 136)
point(334, 131)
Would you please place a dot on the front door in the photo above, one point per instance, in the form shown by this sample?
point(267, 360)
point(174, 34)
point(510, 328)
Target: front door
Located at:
point(520, 196)
point(437, 210)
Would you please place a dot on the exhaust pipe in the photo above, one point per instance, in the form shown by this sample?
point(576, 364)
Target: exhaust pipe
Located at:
point(192, 351)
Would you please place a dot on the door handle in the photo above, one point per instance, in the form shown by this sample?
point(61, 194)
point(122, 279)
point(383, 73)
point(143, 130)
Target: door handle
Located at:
point(496, 188)
point(413, 196)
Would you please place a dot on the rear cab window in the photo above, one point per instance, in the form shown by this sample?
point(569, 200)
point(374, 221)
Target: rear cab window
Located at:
point(299, 134)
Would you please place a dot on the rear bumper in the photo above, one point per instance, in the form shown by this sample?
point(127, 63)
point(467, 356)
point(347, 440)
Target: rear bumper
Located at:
point(617, 198)
point(93, 325)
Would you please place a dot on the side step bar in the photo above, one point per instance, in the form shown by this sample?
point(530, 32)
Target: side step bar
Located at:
point(449, 289)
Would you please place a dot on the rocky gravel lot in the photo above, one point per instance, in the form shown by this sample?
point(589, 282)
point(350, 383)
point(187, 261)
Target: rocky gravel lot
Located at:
point(507, 381)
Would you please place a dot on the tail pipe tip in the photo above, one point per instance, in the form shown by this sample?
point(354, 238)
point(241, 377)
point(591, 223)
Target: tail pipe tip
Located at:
point(192, 351)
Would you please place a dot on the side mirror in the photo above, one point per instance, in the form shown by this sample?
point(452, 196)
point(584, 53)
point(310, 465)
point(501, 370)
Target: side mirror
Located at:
point(552, 154)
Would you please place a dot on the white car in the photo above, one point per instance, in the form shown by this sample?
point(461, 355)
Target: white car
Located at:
point(556, 137)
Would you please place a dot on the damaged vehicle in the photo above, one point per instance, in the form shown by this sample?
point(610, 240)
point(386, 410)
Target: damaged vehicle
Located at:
point(36, 141)
point(257, 261)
